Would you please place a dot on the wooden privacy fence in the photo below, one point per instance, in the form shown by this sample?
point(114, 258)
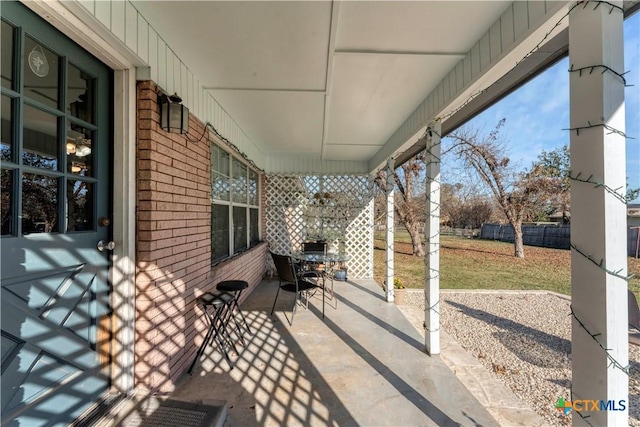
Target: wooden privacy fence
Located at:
point(550, 236)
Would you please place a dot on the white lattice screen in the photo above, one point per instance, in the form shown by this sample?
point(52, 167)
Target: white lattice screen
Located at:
point(335, 208)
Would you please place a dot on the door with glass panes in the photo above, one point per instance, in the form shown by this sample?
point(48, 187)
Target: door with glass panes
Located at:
point(55, 156)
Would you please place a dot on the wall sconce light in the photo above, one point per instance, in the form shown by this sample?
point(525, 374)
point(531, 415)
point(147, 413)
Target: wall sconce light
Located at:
point(174, 117)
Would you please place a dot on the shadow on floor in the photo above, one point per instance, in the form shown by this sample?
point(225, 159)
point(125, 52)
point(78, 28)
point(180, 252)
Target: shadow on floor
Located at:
point(364, 364)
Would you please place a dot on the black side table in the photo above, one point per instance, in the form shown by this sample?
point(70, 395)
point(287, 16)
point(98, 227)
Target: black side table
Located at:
point(236, 287)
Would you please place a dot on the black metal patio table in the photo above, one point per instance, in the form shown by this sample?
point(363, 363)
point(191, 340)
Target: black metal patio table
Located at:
point(328, 259)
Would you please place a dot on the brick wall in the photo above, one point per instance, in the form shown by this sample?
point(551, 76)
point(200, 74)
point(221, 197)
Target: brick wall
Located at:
point(174, 246)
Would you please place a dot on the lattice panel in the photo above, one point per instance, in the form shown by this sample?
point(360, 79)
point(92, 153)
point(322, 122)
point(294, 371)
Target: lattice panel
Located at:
point(336, 208)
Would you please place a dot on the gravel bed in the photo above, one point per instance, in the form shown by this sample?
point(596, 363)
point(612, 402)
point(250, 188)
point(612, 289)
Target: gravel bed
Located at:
point(525, 340)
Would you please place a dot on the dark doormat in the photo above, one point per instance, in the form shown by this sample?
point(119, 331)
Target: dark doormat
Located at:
point(175, 413)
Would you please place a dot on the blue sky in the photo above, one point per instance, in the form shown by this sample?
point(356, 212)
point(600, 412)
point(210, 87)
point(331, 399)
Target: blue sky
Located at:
point(537, 112)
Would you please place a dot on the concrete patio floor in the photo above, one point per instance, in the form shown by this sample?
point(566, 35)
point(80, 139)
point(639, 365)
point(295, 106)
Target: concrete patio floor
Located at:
point(364, 364)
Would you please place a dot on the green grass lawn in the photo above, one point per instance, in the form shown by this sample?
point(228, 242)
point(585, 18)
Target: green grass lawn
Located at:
point(485, 264)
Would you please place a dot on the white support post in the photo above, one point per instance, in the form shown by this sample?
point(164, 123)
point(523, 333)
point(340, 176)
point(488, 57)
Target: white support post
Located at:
point(599, 336)
point(432, 241)
point(390, 228)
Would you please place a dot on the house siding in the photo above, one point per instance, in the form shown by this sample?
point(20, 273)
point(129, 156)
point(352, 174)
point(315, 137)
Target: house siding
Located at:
point(173, 246)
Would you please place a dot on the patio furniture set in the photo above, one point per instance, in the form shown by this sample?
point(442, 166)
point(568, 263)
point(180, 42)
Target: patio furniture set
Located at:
point(302, 273)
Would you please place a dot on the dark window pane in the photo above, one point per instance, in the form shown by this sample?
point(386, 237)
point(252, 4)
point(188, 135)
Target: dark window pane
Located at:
point(254, 218)
point(79, 149)
point(79, 206)
point(239, 182)
point(40, 139)
point(6, 195)
point(39, 204)
point(6, 60)
point(40, 73)
point(6, 129)
point(80, 94)
point(219, 232)
point(239, 229)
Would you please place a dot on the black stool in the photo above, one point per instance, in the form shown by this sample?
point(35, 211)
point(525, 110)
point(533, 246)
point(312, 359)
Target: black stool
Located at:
point(218, 308)
point(236, 287)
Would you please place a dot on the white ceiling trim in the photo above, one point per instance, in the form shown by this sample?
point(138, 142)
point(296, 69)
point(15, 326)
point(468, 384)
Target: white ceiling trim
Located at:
point(263, 89)
point(397, 52)
point(333, 31)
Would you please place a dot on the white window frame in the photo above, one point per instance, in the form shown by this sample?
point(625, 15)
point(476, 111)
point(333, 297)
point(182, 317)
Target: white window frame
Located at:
point(231, 204)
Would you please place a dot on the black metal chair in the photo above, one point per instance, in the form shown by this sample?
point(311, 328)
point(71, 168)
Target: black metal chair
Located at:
point(290, 281)
point(320, 268)
point(314, 246)
point(317, 248)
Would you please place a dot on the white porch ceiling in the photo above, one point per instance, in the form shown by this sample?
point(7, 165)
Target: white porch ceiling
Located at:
point(320, 79)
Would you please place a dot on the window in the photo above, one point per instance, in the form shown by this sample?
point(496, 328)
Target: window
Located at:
point(235, 210)
point(48, 137)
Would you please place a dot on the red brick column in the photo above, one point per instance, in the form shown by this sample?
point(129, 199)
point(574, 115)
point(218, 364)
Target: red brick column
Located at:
point(173, 245)
point(173, 241)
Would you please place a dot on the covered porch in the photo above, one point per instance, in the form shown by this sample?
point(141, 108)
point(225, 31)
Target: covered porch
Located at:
point(363, 364)
point(309, 94)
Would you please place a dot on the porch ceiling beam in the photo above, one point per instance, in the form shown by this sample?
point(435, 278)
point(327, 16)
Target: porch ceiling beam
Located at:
point(261, 89)
point(333, 31)
point(351, 144)
point(397, 52)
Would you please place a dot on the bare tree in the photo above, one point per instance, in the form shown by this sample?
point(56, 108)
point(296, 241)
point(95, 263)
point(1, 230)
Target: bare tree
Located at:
point(409, 201)
point(461, 207)
point(517, 193)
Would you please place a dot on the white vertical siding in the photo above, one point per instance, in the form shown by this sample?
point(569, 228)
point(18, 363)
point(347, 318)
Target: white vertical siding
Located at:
point(507, 32)
point(520, 18)
point(162, 64)
point(89, 5)
point(485, 52)
point(495, 40)
point(124, 21)
point(537, 11)
point(143, 39)
point(300, 165)
point(131, 27)
point(101, 10)
point(117, 22)
point(459, 77)
point(153, 54)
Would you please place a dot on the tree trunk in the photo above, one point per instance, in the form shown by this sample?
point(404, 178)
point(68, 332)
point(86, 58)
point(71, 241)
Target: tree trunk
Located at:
point(517, 242)
point(416, 241)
